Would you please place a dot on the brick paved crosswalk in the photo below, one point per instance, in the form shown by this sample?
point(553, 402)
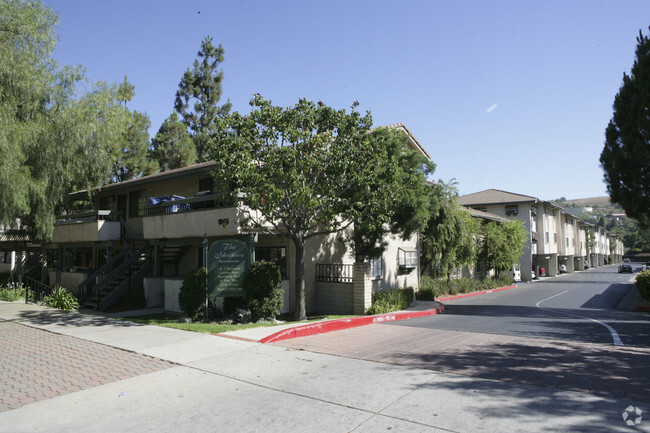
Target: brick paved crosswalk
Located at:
point(37, 365)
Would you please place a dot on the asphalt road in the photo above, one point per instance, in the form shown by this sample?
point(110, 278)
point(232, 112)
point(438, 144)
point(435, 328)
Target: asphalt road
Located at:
point(579, 307)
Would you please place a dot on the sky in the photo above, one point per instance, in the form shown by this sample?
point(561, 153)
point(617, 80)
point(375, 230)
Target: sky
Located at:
point(513, 95)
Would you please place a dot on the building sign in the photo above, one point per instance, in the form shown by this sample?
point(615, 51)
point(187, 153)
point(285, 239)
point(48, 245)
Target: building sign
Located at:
point(228, 262)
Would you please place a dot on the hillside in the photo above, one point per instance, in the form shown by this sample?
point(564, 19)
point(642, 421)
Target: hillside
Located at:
point(591, 201)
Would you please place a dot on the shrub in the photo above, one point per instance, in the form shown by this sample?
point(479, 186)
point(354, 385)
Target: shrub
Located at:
point(386, 301)
point(643, 284)
point(191, 298)
point(263, 289)
point(12, 291)
point(62, 299)
point(432, 288)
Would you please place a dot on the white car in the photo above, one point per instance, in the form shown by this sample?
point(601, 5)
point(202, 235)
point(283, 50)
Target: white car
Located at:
point(516, 273)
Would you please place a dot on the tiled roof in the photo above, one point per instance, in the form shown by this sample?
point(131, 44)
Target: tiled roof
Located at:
point(494, 196)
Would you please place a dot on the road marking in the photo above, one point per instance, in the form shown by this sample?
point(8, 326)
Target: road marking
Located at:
point(612, 331)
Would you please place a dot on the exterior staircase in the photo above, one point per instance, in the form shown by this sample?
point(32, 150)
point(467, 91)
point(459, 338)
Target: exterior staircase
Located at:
point(112, 281)
point(109, 283)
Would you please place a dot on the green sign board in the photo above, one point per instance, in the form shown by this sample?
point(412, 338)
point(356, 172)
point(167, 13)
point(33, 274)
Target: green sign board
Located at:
point(228, 261)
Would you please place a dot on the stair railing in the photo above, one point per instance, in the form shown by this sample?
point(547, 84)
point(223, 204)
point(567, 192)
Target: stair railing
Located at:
point(97, 289)
point(106, 270)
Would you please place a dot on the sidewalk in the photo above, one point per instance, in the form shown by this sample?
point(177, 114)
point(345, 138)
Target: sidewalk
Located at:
point(91, 373)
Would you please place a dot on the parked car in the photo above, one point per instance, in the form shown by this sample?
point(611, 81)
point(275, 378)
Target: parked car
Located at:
point(586, 264)
point(563, 269)
point(625, 268)
point(516, 273)
point(542, 272)
point(533, 274)
point(626, 260)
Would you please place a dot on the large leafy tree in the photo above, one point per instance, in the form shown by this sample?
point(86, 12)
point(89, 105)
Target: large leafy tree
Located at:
point(172, 146)
point(405, 211)
point(52, 139)
point(198, 95)
point(502, 243)
point(305, 170)
point(626, 155)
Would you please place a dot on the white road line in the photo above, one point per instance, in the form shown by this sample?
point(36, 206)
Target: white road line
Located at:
point(612, 331)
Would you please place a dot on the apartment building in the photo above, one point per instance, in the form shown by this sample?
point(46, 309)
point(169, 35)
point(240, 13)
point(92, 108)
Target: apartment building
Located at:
point(555, 238)
point(150, 232)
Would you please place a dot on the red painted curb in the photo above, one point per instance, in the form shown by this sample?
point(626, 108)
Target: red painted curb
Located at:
point(339, 324)
point(467, 295)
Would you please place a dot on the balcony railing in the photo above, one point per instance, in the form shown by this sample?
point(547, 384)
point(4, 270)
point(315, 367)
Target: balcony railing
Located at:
point(176, 204)
point(86, 217)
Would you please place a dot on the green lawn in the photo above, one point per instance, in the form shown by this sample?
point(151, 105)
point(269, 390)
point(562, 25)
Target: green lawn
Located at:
point(171, 321)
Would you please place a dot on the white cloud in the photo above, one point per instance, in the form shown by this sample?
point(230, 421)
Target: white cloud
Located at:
point(491, 109)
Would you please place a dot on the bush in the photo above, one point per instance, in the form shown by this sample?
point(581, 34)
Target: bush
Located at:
point(643, 284)
point(62, 299)
point(432, 288)
point(263, 289)
point(191, 298)
point(386, 301)
point(12, 291)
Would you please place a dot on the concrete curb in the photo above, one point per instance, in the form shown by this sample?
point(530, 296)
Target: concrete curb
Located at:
point(482, 292)
point(339, 324)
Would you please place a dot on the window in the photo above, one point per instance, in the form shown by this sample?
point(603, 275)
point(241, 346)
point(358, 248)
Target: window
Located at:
point(512, 210)
point(567, 242)
point(555, 238)
point(547, 238)
point(407, 258)
point(376, 268)
point(205, 184)
point(277, 255)
point(481, 209)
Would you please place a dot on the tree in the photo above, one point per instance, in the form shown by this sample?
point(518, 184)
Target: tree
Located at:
point(199, 93)
point(625, 158)
point(131, 155)
point(449, 239)
point(305, 171)
point(502, 243)
point(51, 139)
point(172, 146)
point(406, 212)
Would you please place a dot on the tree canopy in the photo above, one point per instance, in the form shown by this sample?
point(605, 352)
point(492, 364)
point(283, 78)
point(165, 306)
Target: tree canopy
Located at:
point(502, 243)
point(198, 96)
point(305, 170)
point(450, 236)
point(625, 158)
point(172, 146)
point(53, 137)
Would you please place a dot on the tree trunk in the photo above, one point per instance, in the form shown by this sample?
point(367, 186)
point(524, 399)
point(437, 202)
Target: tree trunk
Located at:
point(300, 311)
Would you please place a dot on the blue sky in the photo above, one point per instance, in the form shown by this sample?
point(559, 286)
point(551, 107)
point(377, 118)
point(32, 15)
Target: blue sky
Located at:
point(513, 95)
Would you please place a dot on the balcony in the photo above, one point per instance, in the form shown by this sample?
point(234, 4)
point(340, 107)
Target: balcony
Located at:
point(94, 226)
point(176, 217)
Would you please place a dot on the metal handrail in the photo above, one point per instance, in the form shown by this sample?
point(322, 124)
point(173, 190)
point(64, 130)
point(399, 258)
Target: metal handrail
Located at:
point(118, 271)
point(104, 270)
point(38, 289)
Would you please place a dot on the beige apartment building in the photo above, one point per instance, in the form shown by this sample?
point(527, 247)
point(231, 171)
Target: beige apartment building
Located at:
point(149, 232)
point(556, 239)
